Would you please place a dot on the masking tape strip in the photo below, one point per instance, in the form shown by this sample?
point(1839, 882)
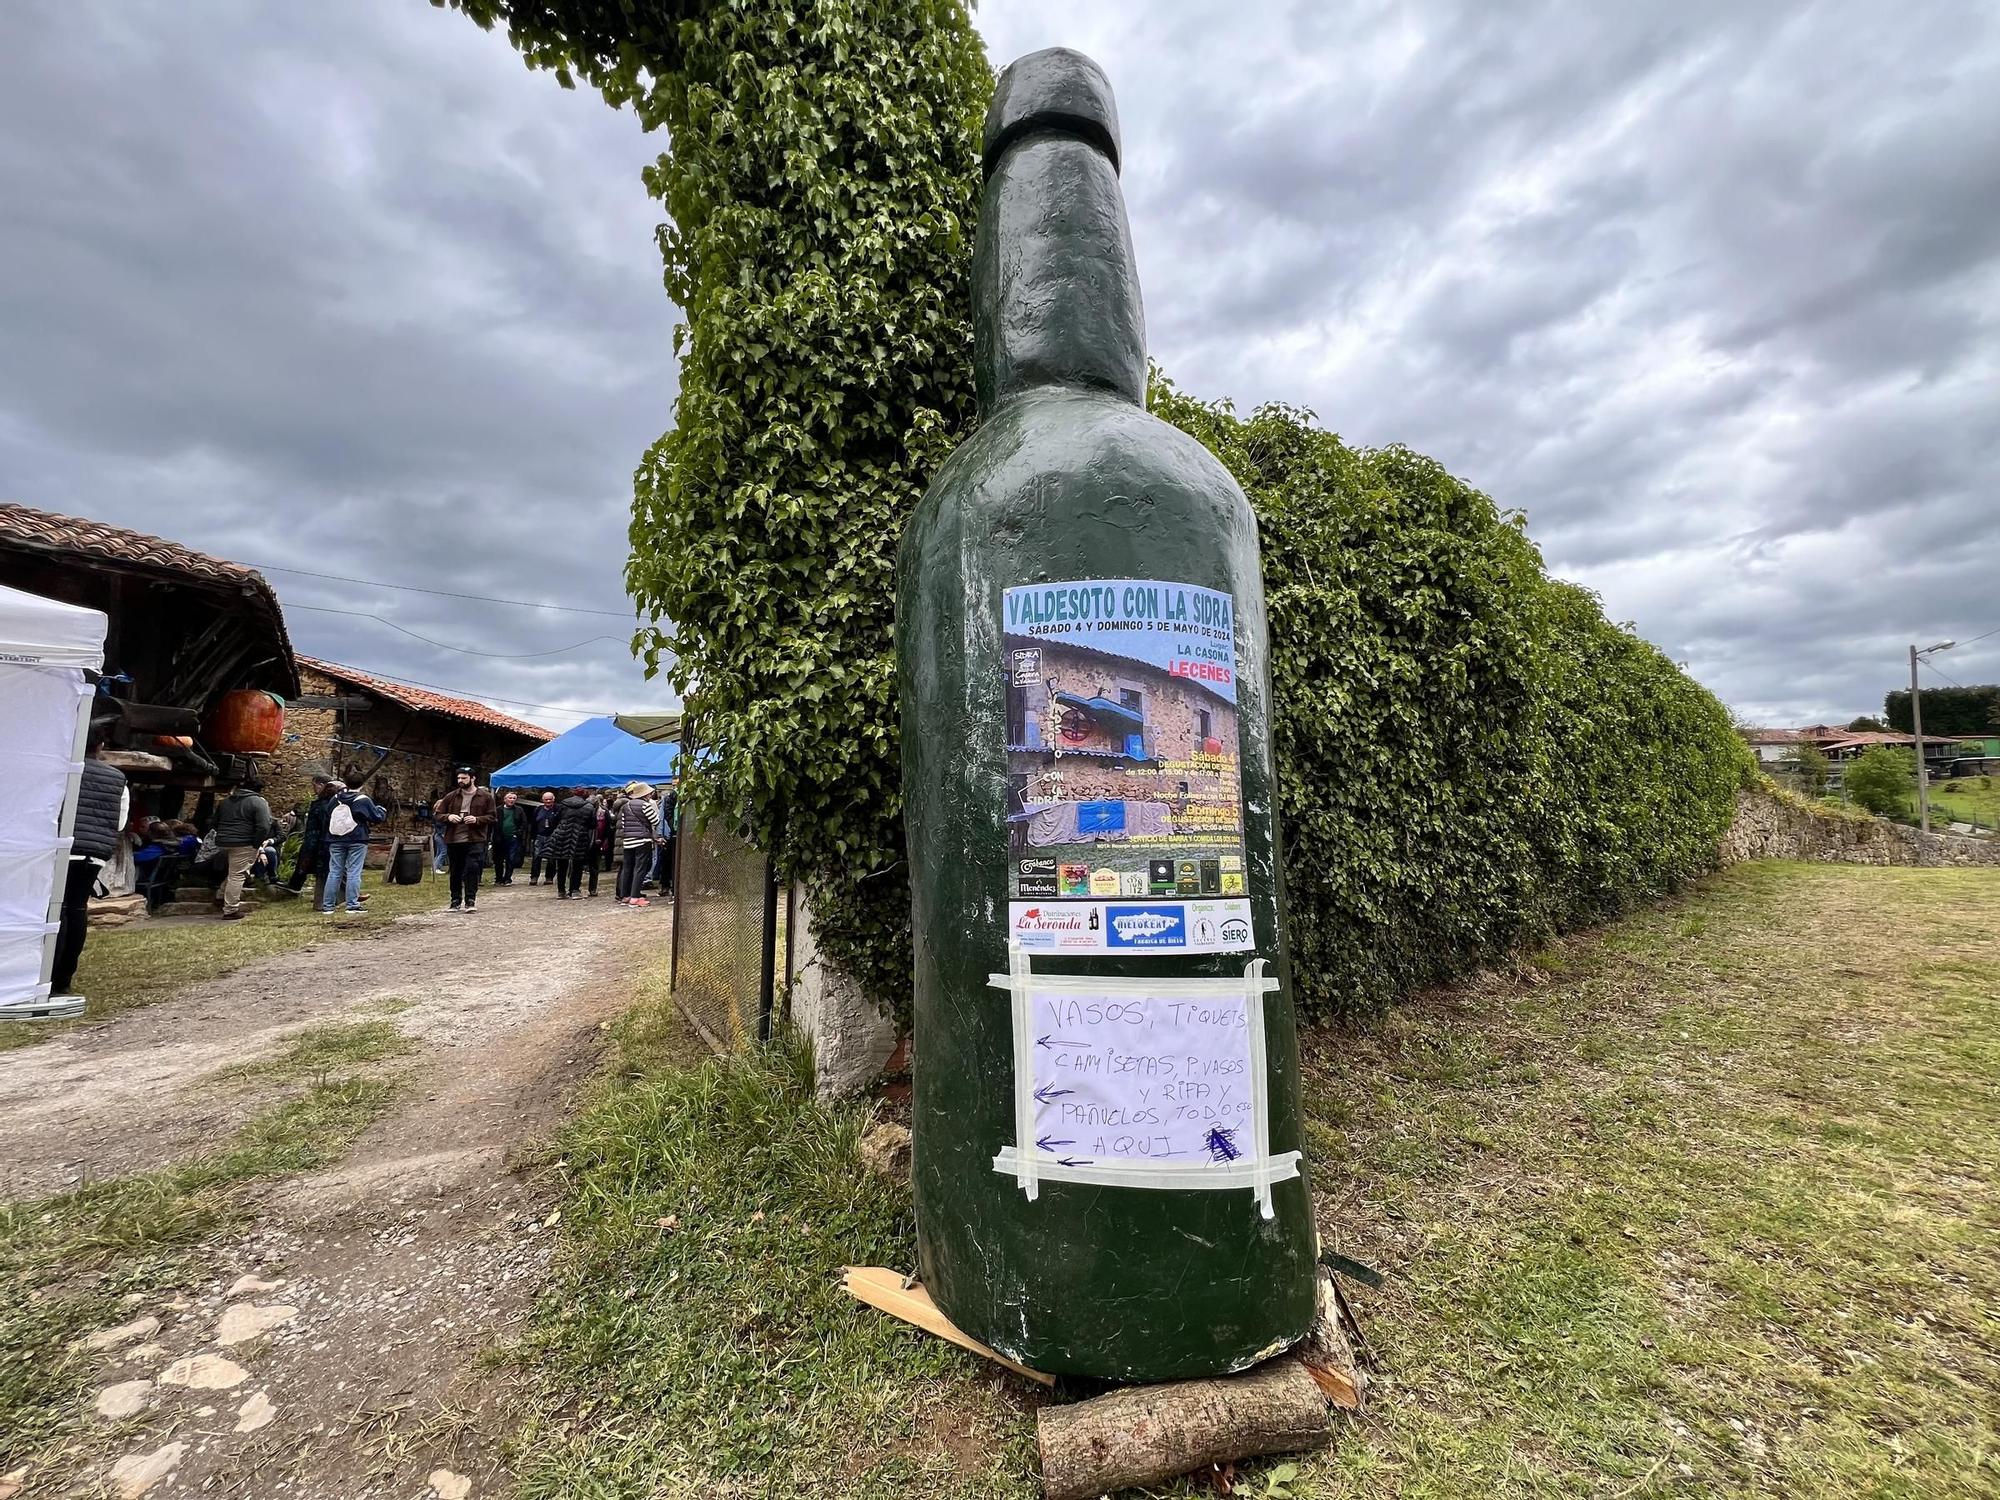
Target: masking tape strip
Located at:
point(1026, 1167)
point(1260, 1084)
point(1183, 1177)
point(1137, 989)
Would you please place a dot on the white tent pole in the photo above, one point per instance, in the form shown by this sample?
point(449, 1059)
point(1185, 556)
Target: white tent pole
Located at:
point(66, 825)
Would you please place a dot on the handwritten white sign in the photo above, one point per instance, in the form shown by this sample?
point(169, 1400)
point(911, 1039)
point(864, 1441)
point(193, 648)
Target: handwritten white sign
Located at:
point(1161, 1079)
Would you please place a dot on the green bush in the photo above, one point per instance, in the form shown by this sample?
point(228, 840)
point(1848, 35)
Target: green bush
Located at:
point(821, 188)
point(1470, 757)
point(1882, 780)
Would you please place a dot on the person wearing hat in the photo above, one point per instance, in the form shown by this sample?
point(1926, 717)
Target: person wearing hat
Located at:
point(464, 815)
point(638, 836)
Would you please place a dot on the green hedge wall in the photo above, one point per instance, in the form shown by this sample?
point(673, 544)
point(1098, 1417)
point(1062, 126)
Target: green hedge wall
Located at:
point(1470, 756)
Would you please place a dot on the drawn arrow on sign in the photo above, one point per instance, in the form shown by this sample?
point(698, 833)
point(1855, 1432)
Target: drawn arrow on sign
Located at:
point(1049, 1143)
point(1047, 1095)
point(1071, 1161)
point(1056, 1041)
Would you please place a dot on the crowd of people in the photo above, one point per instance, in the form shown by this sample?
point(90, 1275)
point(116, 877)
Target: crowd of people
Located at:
point(565, 840)
point(569, 840)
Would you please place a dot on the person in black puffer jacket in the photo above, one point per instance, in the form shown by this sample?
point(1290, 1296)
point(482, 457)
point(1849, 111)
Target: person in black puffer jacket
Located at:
point(570, 843)
point(103, 803)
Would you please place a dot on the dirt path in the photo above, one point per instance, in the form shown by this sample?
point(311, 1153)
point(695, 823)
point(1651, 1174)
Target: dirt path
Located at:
point(384, 1279)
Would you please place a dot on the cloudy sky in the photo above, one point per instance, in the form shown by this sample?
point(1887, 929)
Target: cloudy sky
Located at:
point(1708, 290)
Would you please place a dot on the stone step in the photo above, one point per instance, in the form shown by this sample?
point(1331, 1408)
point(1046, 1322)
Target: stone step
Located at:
point(250, 893)
point(186, 909)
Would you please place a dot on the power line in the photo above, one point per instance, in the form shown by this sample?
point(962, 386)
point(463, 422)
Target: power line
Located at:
point(325, 609)
point(1980, 637)
point(1935, 672)
point(515, 702)
point(411, 588)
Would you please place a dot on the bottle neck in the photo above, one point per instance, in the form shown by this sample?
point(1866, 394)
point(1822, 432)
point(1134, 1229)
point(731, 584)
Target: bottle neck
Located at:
point(1055, 287)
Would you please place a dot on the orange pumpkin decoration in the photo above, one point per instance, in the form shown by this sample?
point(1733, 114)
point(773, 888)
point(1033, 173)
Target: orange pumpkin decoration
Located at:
point(245, 722)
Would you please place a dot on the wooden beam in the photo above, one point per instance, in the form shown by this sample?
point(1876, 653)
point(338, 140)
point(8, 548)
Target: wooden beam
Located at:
point(895, 1294)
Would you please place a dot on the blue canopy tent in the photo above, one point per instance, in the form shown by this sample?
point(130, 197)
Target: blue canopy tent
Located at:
point(595, 753)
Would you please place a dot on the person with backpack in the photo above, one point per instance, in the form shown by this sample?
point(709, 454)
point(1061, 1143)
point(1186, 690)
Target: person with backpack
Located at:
point(465, 815)
point(350, 815)
point(638, 839)
point(242, 823)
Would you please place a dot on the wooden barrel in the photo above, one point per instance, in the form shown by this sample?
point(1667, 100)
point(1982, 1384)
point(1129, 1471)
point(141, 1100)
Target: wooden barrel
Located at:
point(247, 721)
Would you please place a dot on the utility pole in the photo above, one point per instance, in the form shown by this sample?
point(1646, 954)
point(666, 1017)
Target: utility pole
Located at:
point(1917, 727)
point(1917, 731)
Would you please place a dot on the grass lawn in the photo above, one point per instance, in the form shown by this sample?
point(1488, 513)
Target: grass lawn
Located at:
point(147, 961)
point(67, 1263)
point(1967, 799)
point(1698, 1204)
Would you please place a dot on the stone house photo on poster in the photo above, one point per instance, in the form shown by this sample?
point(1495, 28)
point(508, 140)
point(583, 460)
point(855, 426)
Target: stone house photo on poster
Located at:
point(1124, 776)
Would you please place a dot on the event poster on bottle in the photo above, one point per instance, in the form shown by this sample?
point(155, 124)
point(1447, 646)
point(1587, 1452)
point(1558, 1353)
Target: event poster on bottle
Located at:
point(1124, 771)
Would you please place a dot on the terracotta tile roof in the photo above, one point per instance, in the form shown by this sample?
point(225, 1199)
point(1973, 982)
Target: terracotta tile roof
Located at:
point(422, 700)
point(76, 536)
point(48, 532)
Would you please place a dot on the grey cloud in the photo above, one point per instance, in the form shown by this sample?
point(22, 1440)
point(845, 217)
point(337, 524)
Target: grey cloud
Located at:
point(1707, 290)
point(345, 289)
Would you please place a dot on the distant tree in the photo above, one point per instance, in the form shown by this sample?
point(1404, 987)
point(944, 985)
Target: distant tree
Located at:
point(1866, 725)
point(1807, 766)
point(1949, 712)
point(1883, 780)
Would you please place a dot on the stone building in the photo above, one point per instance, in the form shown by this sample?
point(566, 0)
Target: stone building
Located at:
point(184, 629)
point(1092, 717)
point(400, 742)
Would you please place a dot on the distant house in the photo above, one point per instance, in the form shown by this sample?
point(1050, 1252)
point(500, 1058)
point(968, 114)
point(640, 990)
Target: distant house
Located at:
point(185, 628)
point(1840, 746)
point(402, 741)
point(1773, 745)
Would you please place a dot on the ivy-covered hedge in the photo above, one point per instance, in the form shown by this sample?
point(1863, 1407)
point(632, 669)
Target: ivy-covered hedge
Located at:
point(1470, 756)
point(821, 182)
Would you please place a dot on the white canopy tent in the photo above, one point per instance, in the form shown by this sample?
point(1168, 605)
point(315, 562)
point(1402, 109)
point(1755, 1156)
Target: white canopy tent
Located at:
point(45, 650)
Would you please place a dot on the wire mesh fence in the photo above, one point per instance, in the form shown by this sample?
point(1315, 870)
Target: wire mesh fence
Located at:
point(725, 936)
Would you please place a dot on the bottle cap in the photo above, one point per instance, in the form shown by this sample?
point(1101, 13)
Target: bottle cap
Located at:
point(1056, 89)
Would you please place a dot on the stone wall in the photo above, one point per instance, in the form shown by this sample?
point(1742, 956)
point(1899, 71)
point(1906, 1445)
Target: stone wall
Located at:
point(852, 1036)
point(423, 750)
point(1775, 824)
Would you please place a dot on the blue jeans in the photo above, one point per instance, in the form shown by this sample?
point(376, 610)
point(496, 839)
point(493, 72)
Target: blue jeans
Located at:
point(343, 875)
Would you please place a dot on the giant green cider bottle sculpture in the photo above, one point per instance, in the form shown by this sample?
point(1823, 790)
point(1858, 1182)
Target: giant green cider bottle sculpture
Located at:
point(1107, 1168)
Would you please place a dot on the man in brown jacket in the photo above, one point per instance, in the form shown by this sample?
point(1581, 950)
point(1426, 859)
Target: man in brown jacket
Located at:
point(465, 816)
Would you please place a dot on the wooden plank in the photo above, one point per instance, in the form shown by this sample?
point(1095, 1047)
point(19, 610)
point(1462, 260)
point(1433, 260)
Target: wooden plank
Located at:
point(893, 1293)
point(1327, 1354)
